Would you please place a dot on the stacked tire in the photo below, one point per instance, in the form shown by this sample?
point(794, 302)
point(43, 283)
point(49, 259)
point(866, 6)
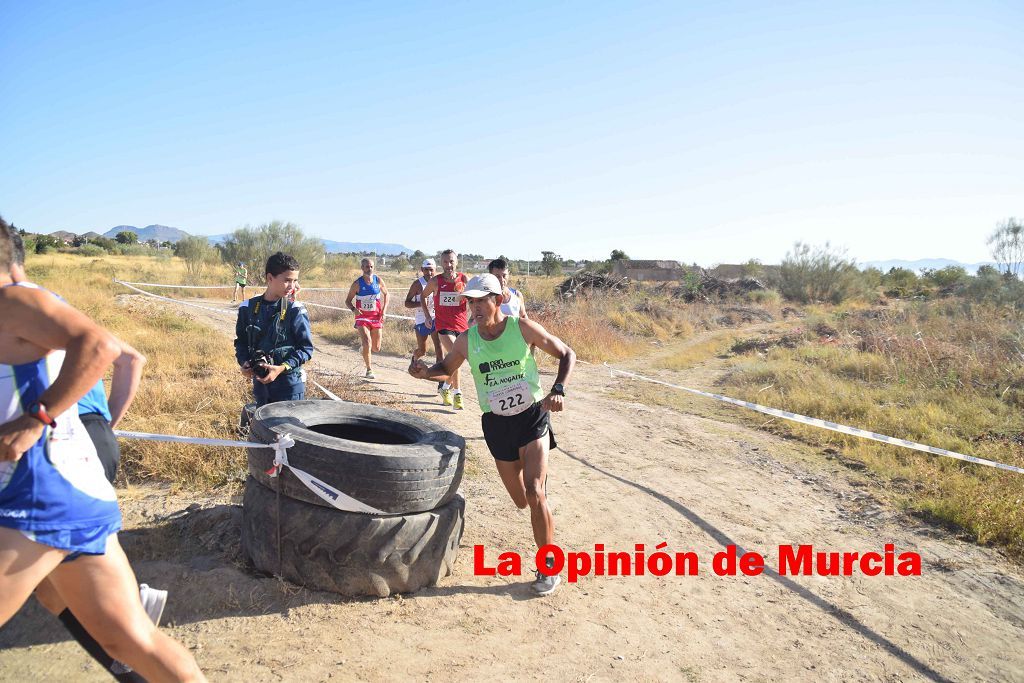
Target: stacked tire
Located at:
point(406, 467)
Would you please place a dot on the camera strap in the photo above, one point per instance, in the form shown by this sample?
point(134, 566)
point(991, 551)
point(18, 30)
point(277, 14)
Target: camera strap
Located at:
point(257, 334)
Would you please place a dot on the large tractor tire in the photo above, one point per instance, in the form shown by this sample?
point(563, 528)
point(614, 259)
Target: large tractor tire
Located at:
point(346, 552)
point(391, 461)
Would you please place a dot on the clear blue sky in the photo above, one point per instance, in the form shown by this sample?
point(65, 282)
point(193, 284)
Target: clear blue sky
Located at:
point(709, 133)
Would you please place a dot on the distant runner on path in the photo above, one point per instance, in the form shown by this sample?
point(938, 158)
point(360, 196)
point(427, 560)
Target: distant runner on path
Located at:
point(449, 317)
point(368, 299)
point(241, 278)
point(515, 419)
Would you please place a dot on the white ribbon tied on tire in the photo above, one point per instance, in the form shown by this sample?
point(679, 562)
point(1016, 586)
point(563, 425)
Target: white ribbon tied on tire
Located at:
point(331, 495)
point(336, 498)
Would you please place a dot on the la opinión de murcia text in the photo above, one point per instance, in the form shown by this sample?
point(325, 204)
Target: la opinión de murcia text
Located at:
point(800, 560)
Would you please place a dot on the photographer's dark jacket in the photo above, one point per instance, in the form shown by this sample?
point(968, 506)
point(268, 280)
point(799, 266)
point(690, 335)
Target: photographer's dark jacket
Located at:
point(280, 329)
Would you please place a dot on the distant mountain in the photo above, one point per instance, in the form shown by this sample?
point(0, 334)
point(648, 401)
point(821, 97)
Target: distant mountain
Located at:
point(919, 264)
point(160, 233)
point(332, 247)
point(64, 235)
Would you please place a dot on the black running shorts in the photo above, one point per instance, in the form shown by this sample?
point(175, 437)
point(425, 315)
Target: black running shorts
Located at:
point(505, 435)
point(105, 442)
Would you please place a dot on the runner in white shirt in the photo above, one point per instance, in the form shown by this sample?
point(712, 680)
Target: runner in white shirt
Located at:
point(512, 302)
point(412, 300)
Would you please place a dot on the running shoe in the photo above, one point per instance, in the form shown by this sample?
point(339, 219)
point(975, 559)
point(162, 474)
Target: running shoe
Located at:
point(446, 396)
point(440, 388)
point(546, 585)
point(153, 601)
point(369, 374)
point(457, 400)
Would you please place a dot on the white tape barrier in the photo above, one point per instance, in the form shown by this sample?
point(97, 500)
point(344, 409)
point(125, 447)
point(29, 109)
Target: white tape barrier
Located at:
point(326, 391)
point(176, 301)
point(154, 284)
point(159, 284)
point(325, 491)
point(347, 310)
point(131, 285)
point(824, 424)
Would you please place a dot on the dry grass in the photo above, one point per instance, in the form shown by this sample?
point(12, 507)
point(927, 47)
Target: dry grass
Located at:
point(699, 350)
point(945, 374)
point(192, 386)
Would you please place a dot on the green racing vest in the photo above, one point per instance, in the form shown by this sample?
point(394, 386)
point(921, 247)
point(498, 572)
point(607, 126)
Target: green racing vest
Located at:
point(504, 371)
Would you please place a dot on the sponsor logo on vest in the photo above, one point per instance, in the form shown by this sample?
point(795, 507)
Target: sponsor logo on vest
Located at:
point(495, 365)
point(509, 379)
point(14, 514)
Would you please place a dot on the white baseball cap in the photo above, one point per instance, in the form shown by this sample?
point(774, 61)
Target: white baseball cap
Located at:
point(428, 263)
point(481, 286)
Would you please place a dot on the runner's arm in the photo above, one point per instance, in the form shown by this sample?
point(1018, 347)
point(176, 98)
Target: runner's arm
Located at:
point(536, 335)
point(384, 302)
point(446, 368)
point(414, 290)
point(125, 381)
point(522, 305)
point(428, 291)
point(52, 324)
point(352, 295)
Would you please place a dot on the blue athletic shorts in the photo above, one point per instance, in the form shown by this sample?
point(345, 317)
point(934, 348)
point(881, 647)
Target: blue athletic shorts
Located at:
point(89, 541)
point(424, 331)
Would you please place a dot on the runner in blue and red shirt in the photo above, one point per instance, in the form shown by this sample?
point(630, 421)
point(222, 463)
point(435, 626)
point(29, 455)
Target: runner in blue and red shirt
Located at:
point(368, 299)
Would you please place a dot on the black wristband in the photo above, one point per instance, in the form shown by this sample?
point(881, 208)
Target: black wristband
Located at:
point(558, 390)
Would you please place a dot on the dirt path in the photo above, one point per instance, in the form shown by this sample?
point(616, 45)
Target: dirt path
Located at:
point(627, 473)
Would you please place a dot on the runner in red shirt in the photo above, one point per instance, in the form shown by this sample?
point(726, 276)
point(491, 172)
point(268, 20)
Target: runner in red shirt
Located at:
point(450, 316)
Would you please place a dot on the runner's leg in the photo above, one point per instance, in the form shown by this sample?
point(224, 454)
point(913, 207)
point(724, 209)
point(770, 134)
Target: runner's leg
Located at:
point(49, 598)
point(364, 336)
point(511, 473)
point(102, 591)
point(421, 346)
point(23, 564)
point(438, 351)
point(376, 336)
point(534, 457)
point(447, 344)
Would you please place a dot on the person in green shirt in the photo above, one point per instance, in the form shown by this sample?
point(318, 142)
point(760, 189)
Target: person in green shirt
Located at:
point(515, 420)
point(241, 279)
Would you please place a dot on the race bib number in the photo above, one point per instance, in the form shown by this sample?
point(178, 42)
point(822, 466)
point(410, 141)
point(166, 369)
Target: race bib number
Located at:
point(510, 400)
point(367, 302)
point(450, 299)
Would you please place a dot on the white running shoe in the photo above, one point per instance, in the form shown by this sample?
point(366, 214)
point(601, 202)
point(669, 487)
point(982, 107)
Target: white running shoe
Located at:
point(153, 601)
point(369, 374)
point(546, 585)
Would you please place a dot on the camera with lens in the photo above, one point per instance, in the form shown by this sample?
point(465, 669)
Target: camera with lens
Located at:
point(259, 362)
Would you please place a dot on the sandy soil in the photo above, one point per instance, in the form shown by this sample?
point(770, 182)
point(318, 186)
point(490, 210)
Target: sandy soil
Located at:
point(626, 473)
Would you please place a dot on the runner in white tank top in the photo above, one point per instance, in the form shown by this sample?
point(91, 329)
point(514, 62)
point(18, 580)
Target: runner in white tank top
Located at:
point(412, 300)
point(513, 303)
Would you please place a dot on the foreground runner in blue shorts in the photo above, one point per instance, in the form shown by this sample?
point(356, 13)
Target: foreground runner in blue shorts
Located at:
point(58, 513)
